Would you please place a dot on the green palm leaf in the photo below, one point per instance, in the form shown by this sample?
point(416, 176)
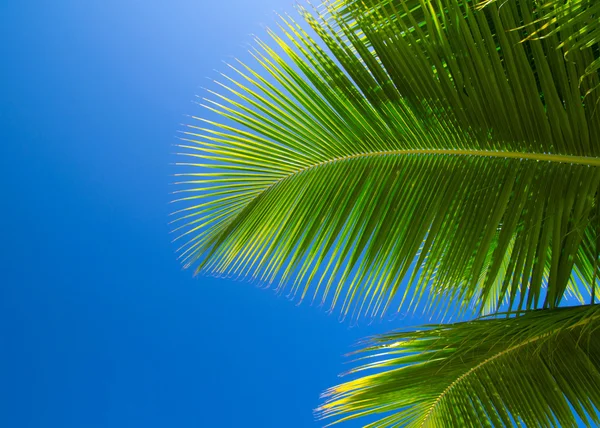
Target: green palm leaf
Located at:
point(579, 20)
point(423, 143)
point(540, 369)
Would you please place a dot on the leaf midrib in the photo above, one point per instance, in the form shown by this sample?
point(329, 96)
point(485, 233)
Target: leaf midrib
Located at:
point(539, 157)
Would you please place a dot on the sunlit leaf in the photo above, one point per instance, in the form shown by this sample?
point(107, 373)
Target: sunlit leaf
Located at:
point(413, 153)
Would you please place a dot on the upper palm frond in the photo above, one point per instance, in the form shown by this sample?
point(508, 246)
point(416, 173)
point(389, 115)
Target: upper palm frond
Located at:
point(579, 21)
point(540, 369)
point(426, 142)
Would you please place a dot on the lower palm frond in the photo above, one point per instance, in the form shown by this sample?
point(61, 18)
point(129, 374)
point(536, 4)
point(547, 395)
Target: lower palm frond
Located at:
point(538, 369)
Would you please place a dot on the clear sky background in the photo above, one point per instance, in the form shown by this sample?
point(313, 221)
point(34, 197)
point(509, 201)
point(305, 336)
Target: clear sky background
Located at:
point(99, 325)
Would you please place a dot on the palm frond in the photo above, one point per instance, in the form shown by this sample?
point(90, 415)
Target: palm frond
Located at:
point(578, 21)
point(539, 369)
point(413, 140)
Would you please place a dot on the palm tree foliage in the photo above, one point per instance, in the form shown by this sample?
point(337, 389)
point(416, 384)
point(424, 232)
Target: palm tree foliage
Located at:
point(533, 370)
point(405, 153)
point(428, 141)
point(578, 19)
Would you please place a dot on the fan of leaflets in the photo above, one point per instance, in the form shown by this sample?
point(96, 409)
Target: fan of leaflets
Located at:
point(392, 153)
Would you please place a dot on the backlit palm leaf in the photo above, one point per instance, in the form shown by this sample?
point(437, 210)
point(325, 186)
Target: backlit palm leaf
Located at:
point(426, 143)
point(541, 369)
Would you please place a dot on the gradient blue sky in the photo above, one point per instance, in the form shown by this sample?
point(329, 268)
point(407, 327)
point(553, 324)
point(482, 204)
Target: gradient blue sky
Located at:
point(99, 325)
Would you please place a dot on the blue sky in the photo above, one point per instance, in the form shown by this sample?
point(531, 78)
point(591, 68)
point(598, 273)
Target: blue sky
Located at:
point(99, 325)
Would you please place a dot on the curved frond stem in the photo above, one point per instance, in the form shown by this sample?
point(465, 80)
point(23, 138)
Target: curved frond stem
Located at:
point(539, 157)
